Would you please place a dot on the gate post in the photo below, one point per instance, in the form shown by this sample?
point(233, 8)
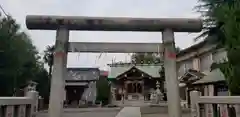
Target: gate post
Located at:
point(195, 110)
point(34, 106)
point(59, 72)
point(174, 107)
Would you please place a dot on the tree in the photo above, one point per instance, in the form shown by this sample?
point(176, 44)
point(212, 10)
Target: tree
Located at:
point(43, 81)
point(148, 58)
point(223, 19)
point(48, 58)
point(103, 90)
point(20, 61)
point(18, 56)
point(145, 58)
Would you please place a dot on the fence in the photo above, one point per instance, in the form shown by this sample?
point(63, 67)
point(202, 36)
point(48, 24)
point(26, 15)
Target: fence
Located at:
point(19, 106)
point(214, 106)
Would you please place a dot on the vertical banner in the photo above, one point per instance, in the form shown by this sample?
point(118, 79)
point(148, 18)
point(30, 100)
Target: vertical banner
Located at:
point(9, 111)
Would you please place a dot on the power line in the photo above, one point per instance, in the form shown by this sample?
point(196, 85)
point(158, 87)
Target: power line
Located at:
point(4, 12)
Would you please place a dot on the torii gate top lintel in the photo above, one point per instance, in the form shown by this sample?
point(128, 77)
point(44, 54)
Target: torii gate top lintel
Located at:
point(44, 22)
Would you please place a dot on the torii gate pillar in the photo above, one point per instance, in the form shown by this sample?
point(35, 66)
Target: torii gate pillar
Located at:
point(173, 96)
point(59, 73)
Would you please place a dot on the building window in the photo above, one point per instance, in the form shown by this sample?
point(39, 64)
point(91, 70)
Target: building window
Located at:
point(189, 64)
point(205, 62)
point(181, 70)
point(184, 66)
point(219, 56)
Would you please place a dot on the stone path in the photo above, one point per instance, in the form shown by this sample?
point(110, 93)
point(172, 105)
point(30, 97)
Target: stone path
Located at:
point(115, 112)
point(129, 112)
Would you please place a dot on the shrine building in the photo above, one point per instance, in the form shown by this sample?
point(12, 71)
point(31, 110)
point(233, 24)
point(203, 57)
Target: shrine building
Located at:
point(137, 80)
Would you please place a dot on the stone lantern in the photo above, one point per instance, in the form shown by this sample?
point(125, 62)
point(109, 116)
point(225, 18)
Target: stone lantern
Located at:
point(158, 92)
point(31, 86)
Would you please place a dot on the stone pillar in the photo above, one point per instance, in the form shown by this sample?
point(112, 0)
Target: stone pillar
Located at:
point(9, 111)
point(22, 111)
point(34, 106)
point(173, 96)
point(194, 95)
point(59, 72)
point(208, 91)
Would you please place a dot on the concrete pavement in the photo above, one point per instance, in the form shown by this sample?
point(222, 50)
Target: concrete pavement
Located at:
point(129, 112)
point(85, 112)
point(117, 112)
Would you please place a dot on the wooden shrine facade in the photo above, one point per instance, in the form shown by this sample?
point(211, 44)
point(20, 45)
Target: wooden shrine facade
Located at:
point(135, 81)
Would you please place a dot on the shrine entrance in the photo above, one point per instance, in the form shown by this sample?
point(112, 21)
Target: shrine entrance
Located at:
point(134, 87)
point(63, 24)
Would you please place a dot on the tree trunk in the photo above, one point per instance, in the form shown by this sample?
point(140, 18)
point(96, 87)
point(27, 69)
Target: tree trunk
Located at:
point(50, 71)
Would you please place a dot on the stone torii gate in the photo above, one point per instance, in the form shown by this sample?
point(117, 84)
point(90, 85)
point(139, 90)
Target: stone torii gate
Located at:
point(63, 24)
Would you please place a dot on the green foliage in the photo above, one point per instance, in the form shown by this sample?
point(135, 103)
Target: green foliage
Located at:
point(48, 58)
point(103, 90)
point(145, 58)
point(148, 58)
point(19, 61)
point(223, 21)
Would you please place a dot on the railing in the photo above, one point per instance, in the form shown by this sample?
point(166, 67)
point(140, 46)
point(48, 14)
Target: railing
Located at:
point(19, 106)
point(214, 106)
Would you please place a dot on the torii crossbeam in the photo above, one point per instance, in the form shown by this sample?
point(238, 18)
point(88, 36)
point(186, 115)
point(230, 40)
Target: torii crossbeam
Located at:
point(96, 47)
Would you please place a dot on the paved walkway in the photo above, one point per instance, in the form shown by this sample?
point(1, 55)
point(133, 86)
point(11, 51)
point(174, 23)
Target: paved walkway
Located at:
point(115, 112)
point(86, 112)
point(129, 112)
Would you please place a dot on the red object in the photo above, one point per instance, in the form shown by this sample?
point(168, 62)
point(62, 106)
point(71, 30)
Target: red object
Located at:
point(60, 54)
point(171, 55)
point(104, 73)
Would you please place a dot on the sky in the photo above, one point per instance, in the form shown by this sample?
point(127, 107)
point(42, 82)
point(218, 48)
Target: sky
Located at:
point(106, 8)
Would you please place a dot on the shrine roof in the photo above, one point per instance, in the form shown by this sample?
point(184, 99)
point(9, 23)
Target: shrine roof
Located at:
point(152, 70)
point(191, 75)
point(211, 77)
point(82, 74)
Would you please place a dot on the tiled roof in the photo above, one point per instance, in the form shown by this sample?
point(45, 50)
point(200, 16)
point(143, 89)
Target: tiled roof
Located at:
point(211, 77)
point(152, 70)
point(191, 76)
point(82, 74)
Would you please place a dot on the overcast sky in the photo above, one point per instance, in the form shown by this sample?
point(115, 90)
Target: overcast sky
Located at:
point(110, 8)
